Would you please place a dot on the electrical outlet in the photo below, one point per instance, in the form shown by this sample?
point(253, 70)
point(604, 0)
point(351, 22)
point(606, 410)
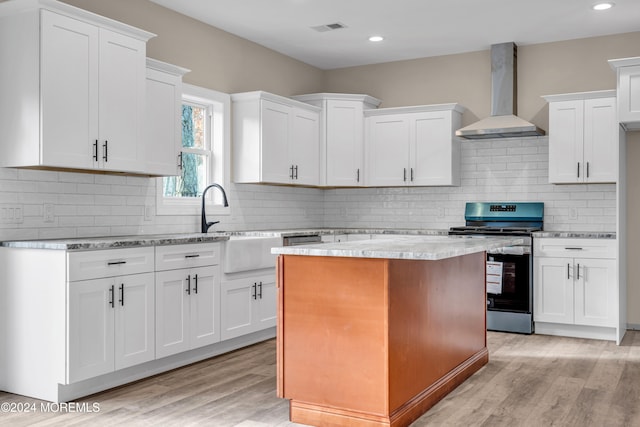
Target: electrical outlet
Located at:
point(48, 212)
point(573, 213)
point(11, 214)
point(148, 212)
point(18, 215)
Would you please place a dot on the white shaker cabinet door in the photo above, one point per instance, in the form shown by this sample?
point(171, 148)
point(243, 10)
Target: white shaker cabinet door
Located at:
point(304, 146)
point(566, 134)
point(69, 91)
point(162, 127)
point(431, 149)
point(172, 313)
point(91, 328)
point(553, 290)
point(122, 100)
point(266, 306)
point(600, 140)
point(629, 96)
point(204, 306)
point(344, 143)
point(595, 292)
point(387, 151)
point(236, 313)
point(275, 142)
point(135, 320)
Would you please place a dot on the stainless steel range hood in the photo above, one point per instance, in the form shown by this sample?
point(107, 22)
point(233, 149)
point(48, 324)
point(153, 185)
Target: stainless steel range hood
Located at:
point(503, 123)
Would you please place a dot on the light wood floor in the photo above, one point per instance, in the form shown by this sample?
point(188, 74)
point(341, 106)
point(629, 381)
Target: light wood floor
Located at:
point(530, 381)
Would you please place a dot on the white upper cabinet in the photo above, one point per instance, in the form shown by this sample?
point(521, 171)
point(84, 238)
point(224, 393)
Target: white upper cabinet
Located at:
point(628, 70)
point(341, 136)
point(74, 96)
point(275, 140)
point(162, 119)
point(413, 146)
point(583, 137)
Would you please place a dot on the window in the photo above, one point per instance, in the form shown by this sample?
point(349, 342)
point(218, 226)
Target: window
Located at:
point(204, 154)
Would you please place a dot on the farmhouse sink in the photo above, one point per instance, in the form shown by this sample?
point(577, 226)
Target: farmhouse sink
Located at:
point(244, 253)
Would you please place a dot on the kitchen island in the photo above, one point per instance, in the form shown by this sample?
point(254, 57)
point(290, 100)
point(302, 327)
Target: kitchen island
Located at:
point(374, 333)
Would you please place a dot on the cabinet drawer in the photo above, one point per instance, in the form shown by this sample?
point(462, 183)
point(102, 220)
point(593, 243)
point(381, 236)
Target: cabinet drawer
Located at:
point(572, 248)
point(172, 257)
point(108, 263)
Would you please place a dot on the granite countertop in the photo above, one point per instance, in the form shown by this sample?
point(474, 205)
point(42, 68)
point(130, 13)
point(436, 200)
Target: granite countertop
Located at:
point(575, 234)
point(424, 248)
point(116, 241)
point(332, 231)
point(111, 242)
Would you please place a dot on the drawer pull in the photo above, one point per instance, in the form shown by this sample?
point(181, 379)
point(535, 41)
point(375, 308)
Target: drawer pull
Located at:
point(573, 249)
point(116, 262)
point(192, 256)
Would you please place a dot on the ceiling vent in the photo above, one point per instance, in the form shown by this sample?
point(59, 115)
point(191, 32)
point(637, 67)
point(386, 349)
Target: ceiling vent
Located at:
point(329, 27)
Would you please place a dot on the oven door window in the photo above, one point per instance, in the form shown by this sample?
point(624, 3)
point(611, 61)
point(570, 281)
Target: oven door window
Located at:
point(508, 282)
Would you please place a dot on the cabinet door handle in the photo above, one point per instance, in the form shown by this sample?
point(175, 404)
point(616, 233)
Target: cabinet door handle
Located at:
point(296, 168)
point(105, 151)
point(195, 279)
point(95, 151)
point(578, 169)
point(291, 172)
point(411, 174)
point(568, 271)
point(188, 290)
point(253, 291)
point(578, 271)
point(587, 169)
point(116, 262)
point(358, 175)
point(180, 161)
point(192, 256)
point(404, 174)
point(260, 294)
point(122, 294)
point(111, 295)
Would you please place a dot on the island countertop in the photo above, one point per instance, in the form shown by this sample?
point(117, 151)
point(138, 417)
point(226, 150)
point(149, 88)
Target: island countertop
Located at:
point(413, 247)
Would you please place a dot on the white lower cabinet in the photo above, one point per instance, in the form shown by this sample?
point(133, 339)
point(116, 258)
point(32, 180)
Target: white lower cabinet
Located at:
point(187, 297)
point(250, 305)
point(576, 287)
point(111, 324)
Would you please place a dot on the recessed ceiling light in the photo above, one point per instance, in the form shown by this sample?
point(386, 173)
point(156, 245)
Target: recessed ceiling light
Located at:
point(603, 5)
point(376, 38)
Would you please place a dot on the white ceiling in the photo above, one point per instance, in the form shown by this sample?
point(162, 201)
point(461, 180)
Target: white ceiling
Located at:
point(412, 28)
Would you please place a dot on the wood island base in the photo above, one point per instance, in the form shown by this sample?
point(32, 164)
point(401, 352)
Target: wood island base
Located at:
point(377, 342)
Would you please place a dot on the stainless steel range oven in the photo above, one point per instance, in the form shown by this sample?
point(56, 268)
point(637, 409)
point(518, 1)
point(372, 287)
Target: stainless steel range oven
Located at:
point(509, 270)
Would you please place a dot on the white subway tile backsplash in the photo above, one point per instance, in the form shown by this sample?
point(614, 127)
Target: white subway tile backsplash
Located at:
point(89, 205)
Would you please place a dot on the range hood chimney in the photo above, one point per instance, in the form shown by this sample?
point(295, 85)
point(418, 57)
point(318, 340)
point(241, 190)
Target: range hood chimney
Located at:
point(503, 123)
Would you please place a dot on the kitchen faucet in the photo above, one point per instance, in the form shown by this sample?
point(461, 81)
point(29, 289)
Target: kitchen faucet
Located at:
point(204, 225)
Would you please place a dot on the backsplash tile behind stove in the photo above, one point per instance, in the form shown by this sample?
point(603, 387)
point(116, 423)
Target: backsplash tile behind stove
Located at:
point(492, 170)
point(87, 205)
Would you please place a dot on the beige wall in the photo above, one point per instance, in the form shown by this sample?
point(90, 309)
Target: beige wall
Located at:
point(633, 228)
point(218, 60)
point(543, 69)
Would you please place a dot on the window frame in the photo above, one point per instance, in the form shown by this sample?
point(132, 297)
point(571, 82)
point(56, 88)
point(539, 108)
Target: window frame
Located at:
point(219, 106)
